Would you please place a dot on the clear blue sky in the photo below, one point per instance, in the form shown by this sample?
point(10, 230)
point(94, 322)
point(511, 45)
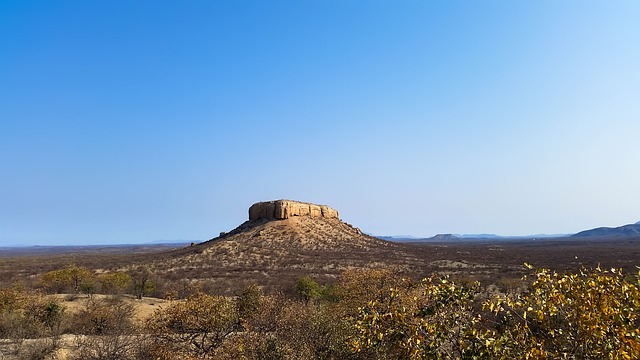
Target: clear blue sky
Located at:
point(138, 121)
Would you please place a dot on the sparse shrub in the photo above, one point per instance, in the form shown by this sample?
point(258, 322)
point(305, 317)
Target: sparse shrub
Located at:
point(182, 289)
point(28, 315)
point(248, 302)
point(12, 298)
point(110, 316)
point(37, 350)
point(331, 293)
point(359, 286)
point(285, 329)
point(106, 347)
point(305, 331)
point(43, 316)
point(510, 285)
point(105, 330)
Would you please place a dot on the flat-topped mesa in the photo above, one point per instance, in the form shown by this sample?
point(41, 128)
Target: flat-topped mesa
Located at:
point(284, 209)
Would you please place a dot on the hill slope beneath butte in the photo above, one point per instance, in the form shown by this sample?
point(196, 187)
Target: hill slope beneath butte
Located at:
point(274, 252)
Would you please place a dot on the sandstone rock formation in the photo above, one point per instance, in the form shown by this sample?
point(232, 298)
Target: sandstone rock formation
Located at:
point(284, 209)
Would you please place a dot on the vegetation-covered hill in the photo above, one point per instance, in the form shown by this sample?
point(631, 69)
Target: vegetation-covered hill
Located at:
point(273, 252)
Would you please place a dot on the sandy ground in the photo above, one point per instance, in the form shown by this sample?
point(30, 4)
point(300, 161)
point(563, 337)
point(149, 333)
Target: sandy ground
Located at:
point(143, 308)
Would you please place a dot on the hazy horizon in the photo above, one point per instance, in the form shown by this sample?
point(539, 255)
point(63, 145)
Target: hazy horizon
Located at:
point(98, 242)
point(129, 122)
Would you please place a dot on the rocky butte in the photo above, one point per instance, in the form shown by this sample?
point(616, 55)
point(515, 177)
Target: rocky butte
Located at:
point(282, 241)
point(284, 209)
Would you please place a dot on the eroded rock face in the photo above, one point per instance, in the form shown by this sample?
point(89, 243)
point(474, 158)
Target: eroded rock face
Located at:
point(284, 209)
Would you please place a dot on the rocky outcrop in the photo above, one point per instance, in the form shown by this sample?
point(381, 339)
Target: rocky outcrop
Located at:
point(284, 209)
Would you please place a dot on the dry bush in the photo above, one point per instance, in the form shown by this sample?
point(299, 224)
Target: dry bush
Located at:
point(26, 315)
point(359, 286)
point(106, 347)
point(248, 302)
point(306, 331)
point(281, 328)
point(108, 316)
point(194, 328)
point(182, 289)
point(37, 350)
point(105, 330)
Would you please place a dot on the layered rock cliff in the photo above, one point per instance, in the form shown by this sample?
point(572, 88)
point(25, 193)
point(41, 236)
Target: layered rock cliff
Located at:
point(284, 209)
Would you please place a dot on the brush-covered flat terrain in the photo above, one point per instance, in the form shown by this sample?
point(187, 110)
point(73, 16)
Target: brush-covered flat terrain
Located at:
point(225, 265)
point(294, 283)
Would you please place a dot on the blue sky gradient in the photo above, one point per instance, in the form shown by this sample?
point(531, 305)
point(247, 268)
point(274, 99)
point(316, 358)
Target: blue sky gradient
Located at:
point(138, 121)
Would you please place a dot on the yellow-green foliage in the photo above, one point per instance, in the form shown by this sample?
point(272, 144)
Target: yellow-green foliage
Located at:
point(71, 278)
point(588, 315)
point(431, 319)
point(115, 282)
point(368, 314)
point(12, 298)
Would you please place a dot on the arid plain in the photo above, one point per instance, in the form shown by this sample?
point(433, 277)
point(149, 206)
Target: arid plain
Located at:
point(106, 302)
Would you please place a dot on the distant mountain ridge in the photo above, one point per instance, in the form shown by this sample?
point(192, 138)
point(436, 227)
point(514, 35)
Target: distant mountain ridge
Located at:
point(397, 237)
point(459, 237)
point(620, 231)
point(625, 230)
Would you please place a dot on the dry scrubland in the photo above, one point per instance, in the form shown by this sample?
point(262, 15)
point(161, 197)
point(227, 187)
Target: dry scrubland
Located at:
point(316, 288)
point(365, 314)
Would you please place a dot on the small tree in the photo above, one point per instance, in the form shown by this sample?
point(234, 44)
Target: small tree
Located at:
point(115, 283)
point(141, 283)
point(80, 278)
point(308, 289)
point(71, 278)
